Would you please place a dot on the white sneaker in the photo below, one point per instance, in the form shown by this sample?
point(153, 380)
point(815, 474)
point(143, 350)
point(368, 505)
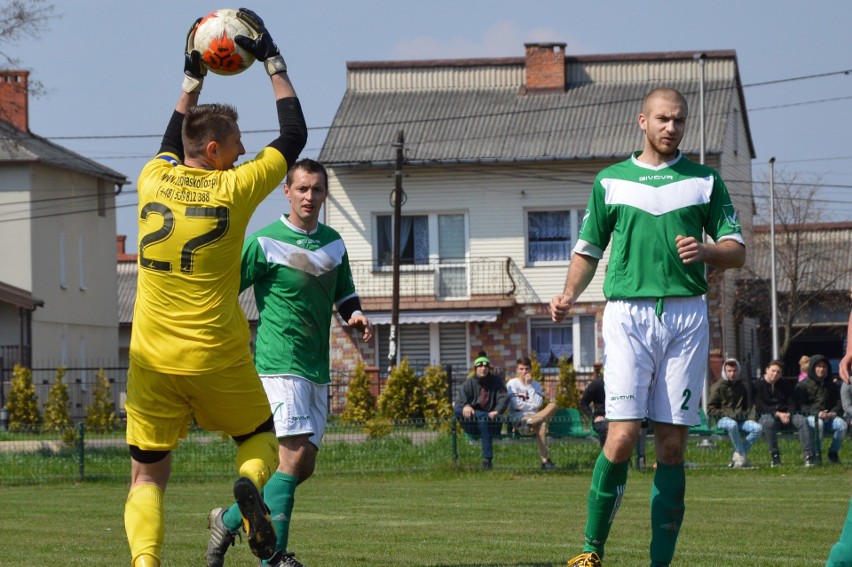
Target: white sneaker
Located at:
point(739, 461)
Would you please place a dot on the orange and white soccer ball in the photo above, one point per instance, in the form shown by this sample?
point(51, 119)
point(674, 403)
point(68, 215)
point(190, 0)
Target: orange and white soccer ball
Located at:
point(214, 39)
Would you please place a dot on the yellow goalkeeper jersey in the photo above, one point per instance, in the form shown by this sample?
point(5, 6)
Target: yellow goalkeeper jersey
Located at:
point(192, 222)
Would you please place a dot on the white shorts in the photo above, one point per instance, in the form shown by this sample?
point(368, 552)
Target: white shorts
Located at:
point(299, 407)
point(655, 367)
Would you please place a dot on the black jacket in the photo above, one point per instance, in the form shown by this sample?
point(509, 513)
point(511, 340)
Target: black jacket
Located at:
point(592, 404)
point(814, 395)
point(770, 398)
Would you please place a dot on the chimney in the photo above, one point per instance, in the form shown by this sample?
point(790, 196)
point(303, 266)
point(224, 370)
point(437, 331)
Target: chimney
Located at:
point(122, 255)
point(545, 66)
point(14, 107)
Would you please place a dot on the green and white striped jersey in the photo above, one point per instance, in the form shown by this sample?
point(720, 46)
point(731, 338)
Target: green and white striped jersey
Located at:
point(642, 208)
point(298, 277)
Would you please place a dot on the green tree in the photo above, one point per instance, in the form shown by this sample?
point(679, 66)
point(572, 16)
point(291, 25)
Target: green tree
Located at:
point(535, 368)
point(23, 403)
point(360, 401)
point(567, 394)
point(57, 413)
point(436, 400)
point(100, 414)
point(403, 397)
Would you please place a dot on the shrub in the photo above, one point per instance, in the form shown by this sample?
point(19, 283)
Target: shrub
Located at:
point(402, 398)
point(57, 413)
point(100, 414)
point(436, 400)
point(360, 401)
point(378, 427)
point(23, 403)
point(567, 394)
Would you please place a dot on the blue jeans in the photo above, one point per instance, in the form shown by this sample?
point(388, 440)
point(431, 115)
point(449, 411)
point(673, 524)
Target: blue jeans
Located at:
point(836, 426)
point(752, 429)
point(483, 426)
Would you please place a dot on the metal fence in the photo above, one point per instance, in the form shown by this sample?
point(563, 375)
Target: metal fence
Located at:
point(412, 446)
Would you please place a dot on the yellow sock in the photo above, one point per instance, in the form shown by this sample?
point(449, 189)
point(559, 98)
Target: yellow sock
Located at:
point(146, 561)
point(143, 522)
point(257, 458)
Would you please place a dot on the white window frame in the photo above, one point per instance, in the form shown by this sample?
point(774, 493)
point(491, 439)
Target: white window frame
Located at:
point(433, 255)
point(574, 216)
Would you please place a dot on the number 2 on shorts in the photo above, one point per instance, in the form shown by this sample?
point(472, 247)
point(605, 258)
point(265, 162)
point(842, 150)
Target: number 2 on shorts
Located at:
point(686, 395)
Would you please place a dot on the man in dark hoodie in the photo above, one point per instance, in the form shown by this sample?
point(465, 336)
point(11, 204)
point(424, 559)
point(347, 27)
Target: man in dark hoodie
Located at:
point(730, 404)
point(818, 397)
point(775, 406)
point(482, 399)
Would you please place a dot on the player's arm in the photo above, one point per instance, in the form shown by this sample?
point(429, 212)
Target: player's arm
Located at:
point(580, 274)
point(194, 72)
point(293, 132)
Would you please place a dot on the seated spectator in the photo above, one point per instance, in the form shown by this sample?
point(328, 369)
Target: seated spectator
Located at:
point(775, 407)
point(729, 404)
point(593, 406)
point(528, 411)
point(481, 400)
point(818, 397)
point(803, 367)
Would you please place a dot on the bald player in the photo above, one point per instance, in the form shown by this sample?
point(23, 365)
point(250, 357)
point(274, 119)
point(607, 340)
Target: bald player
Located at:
point(653, 209)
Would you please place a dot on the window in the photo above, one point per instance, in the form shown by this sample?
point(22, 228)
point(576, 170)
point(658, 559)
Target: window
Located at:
point(413, 237)
point(549, 236)
point(81, 248)
point(423, 344)
point(63, 282)
point(101, 198)
point(575, 338)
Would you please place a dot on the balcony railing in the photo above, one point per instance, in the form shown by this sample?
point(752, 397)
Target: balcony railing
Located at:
point(445, 279)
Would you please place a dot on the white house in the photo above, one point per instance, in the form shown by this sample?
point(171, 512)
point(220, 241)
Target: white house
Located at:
point(499, 160)
point(57, 226)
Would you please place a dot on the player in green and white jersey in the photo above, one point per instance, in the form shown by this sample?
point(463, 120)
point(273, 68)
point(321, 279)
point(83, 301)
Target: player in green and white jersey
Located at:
point(653, 210)
point(300, 271)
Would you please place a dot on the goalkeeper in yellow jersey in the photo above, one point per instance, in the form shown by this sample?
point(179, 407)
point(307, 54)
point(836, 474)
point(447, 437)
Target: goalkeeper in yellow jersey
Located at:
point(189, 351)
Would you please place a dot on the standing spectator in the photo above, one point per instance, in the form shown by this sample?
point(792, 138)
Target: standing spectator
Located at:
point(654, 209)
point(818, 397)
point(729, 403)
point(841, 552)
point(482, 399)
point(803, 367)
point(300, 272)
point(775, 406)
point(528, 411)
point(593, 406)
point(189, 350)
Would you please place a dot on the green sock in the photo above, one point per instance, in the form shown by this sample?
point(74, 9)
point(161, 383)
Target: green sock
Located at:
point(280, 495)
point(232, 518)
point(667, 508)
point(841, 552)
point(608, 483)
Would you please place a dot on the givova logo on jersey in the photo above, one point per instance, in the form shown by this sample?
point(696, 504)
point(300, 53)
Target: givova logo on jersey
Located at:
point(731, 216)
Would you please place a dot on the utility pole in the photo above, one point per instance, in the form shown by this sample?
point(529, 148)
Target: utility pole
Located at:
point(772, 276)
point(396, 198)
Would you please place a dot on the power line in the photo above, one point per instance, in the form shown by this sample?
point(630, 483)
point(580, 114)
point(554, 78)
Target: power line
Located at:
point(491, 114)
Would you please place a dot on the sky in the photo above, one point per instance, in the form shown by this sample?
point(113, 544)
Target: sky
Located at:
point(112, 70)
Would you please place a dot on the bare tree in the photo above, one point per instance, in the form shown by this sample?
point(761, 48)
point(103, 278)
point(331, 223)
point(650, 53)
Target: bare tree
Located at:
point(813, 260)
point(21, 19)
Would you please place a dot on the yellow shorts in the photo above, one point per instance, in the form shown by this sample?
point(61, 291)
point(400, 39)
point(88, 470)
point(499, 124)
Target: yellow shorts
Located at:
point(159, 406)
